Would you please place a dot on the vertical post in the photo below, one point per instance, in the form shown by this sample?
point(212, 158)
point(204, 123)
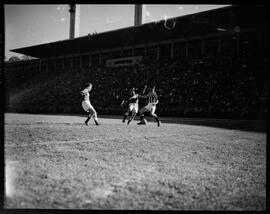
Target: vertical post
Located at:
point(121, 51)
point(54, 64)
point(99, 58)
point(219, 44)
point(63, 63)
point(132, 50)
point(90, 59)
point(186, 47)
point(40, 63)
point(71, 62)
point(72, 11)
point(172, 50)
point(145, 51)
point(47, 65)
point(203, 46)
point(138, 15)
point(158, 51)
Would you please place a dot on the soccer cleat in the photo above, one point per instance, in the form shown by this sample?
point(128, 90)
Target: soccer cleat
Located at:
point(141, 123)
point(96, 122)
point(158, 123)
point(124, 119)
point(86, 121)
point(128, 122)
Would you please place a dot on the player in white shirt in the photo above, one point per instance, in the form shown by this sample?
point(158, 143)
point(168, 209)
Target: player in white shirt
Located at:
point(87, 106)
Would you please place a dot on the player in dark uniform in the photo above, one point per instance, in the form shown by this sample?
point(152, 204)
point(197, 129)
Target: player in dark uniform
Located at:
point(150, 107)
point(132, 106)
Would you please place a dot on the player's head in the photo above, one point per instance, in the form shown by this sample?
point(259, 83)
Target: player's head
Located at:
point(132, 91)
point(152, 88)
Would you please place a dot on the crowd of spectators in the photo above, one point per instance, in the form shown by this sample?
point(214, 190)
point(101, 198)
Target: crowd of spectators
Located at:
point(210, 86)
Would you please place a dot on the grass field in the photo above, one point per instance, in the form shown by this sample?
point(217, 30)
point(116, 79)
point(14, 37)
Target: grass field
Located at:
point(56, 162)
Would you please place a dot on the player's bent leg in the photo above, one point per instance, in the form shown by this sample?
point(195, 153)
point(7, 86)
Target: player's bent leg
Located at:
point(132, 116)
point(94, 114)
point(86, 107)
point(142, 111)
point(96, 118)
point(125, 116)
point(87, 119)
point(152, 113)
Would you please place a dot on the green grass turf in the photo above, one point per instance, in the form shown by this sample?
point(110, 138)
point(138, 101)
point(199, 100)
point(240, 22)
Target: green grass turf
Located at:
point(58, 162)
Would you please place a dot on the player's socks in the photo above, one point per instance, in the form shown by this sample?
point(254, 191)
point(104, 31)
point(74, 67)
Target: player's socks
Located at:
point(156, 118)
point(128, 122)
point(96, 122)
point(132, 117)
point(86, 122)
point(125, 117)
point(141, 122)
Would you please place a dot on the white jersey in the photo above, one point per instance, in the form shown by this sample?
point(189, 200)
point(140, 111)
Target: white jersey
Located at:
point(86, 95)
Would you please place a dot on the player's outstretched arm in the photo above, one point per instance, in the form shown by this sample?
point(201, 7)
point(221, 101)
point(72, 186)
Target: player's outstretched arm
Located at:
point(122, 103)
point(142, 96)
point(90, 86)
point(144, 89)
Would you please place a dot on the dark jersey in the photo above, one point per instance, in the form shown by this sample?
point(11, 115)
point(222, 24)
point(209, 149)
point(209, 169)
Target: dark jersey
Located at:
point(152, 97)
point(134, 99)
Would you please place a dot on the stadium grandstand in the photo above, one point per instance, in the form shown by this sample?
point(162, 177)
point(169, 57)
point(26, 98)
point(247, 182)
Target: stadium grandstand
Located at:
point(209, 64)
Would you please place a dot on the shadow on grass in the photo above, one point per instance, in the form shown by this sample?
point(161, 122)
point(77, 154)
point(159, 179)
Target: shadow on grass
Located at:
point(255, 126)
point(243, 125)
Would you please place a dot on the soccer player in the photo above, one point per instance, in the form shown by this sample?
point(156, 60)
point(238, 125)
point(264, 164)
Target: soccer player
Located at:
point(86, 104)
point(150, 107)
point(132, 106)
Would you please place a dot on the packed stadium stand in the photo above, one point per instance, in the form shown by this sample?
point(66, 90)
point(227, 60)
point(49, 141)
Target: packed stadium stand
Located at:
point(198, 69)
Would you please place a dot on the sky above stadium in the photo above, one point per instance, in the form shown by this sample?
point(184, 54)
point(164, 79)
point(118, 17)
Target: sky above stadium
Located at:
point(27, 25)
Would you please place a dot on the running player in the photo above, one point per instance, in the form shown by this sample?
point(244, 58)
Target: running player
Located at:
point(87, 105)
point(150, 107)
point(132, 106)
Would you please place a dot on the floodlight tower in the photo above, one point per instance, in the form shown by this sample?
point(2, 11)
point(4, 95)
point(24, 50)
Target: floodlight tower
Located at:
point(72, 10)
point(138, 15)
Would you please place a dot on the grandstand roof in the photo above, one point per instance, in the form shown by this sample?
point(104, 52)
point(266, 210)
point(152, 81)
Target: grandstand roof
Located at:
point(190, 25)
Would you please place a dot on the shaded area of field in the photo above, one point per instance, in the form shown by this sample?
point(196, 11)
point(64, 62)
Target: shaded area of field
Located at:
point(244, 125)
point(57, 162)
